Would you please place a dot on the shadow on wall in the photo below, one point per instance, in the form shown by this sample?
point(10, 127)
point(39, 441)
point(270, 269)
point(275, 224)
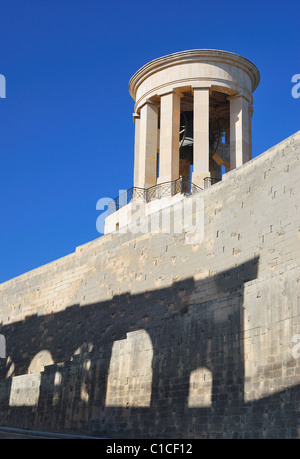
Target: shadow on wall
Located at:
point(162, 364)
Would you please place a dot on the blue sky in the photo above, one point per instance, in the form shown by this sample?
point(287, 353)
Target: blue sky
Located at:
point(66, 127)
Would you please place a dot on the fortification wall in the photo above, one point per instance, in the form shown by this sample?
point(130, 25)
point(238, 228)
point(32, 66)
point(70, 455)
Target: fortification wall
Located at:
point(157, 335)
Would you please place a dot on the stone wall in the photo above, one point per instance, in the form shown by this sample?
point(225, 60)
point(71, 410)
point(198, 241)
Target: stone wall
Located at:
point(159, 336)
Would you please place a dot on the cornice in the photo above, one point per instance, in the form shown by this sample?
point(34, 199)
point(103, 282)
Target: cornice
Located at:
point(196, 55)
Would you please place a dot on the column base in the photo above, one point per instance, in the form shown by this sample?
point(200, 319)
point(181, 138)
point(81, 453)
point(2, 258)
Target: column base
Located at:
point(146, 185)
point(168, 188)
point(163, 180)
point(198, 178)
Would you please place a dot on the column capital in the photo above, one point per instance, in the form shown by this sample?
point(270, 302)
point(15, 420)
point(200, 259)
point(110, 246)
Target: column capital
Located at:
point(170, 91)
point(135, 116)
point(237, 96)
point(147, 102)
point(200, 88)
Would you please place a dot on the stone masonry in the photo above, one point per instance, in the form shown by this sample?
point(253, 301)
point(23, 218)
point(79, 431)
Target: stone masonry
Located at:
point(152, 336)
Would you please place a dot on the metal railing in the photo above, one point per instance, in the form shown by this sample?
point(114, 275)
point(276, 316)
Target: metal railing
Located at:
point(133, 194)
point(181, 185)
point(209, 181)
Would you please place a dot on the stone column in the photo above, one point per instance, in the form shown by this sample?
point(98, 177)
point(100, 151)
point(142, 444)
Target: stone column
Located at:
point(147, 156)
point(239, 131)
point(251, 110)
point(227, 143)
point(201, 136)
point(136, 120)
point(169, 137)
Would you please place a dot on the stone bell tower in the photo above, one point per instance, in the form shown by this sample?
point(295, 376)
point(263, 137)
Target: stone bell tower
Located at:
point(192, 117)
point(193, 112)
